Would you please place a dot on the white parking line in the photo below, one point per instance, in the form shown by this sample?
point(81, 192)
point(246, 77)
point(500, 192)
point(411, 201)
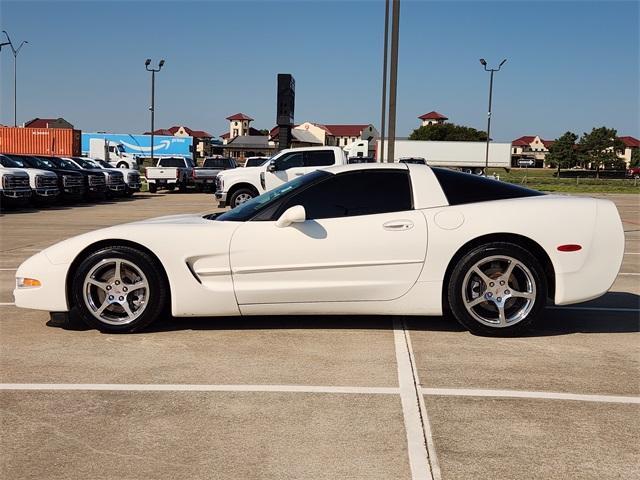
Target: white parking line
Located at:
point(469, 392)
point(595, 309)
point(145, 387)
point(631, 253)
point(628, 274)
point(6, 304)
point(8, 269)
point(413, 416)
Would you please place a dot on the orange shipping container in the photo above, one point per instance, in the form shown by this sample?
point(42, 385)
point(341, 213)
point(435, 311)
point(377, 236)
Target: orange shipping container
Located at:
point(53, 142)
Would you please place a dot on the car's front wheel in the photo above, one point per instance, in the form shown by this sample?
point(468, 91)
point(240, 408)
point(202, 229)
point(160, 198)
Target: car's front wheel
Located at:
point(119, 289)
point(497, 289)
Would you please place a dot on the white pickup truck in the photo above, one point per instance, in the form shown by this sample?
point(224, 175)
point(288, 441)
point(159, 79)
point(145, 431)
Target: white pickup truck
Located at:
point(169, 173)
point(234, 187)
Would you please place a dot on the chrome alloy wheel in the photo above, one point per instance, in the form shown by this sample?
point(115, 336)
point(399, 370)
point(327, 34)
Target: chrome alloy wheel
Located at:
point(499, 291)
point(116, 291)
point(242, 198)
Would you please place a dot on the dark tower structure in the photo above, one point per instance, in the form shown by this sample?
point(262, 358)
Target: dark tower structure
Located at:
point(285, 108)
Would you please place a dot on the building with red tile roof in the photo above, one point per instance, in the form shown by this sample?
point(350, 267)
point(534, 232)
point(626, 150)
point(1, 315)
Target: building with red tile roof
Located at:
point(432, 117)
point(48, 123)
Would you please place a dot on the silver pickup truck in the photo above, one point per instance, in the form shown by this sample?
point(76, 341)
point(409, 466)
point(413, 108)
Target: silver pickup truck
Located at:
point(169, 173)
point(204, 177)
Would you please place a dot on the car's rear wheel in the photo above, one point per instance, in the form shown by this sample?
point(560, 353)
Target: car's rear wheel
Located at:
point(153, 188)
point(122, 165)
point(497, 289)
point(119, 289)
point(240, 196)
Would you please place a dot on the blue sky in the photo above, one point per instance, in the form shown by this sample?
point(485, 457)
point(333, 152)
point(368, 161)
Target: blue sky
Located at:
point(571, 65)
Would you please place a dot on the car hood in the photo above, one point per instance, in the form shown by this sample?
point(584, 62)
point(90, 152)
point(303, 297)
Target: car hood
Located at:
point(184, 219)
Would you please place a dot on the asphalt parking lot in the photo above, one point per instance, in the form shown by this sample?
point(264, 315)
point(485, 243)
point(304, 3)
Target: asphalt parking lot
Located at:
point(314, 397)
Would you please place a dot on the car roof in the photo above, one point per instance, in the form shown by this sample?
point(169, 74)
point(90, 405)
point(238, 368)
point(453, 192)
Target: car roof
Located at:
point(367, 166)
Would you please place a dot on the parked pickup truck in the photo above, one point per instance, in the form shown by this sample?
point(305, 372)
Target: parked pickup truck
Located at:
point(131, 175)
point(169, 173)
point(234, 187)
point(14, 187)
point(43, 183)
point(204, 177)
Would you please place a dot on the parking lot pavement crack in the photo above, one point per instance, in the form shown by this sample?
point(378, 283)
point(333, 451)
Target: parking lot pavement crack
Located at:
point(420, 445)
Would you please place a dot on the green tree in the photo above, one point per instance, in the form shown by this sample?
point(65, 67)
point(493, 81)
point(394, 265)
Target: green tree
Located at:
point(448, 132)
point(635, 157)
point(600, 147)
point(563, 152)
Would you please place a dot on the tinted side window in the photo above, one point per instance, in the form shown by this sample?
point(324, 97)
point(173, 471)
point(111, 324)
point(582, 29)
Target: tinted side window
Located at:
point(355, 193)
point(320, 158)
point(461, 188)
point(290, 160)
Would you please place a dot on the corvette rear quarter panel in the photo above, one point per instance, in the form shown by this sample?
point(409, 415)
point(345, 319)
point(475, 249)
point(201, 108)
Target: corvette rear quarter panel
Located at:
point(549, 221)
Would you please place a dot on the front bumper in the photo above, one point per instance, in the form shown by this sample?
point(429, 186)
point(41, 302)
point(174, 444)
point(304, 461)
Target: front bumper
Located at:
point(118, 188)
point(222, 199)
point(51, 295)
point(134, 187)
point(75, 191)
point(47, 192)
point(18, 193)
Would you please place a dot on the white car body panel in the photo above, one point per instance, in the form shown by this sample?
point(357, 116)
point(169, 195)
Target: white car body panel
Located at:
point(347, 265)
point(334, 259)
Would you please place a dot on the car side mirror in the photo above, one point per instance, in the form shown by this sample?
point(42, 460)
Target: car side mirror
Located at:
point(295, 214)
point(272, 166)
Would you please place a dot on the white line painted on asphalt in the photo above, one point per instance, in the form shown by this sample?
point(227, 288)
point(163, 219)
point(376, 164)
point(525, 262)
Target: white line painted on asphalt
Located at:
point(631, 253)
point(596, 309)
point(629, 274)
point(8, 269)
point(148, 387)
point(409, 397)
point(6, 304)
point(469, 392)
point(426, 425)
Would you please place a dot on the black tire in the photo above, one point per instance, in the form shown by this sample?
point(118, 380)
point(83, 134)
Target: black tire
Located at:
point(157, 293)
point(182, 187)
point(153, 188)
point(233, 201)
point(122, 165)
point(523, 311)
point(171, 187)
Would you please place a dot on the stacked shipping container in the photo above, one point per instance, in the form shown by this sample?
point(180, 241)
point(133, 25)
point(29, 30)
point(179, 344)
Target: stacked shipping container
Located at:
point(60, 142)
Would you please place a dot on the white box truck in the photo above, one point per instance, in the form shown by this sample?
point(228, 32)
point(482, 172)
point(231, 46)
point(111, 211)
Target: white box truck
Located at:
point(464, 155)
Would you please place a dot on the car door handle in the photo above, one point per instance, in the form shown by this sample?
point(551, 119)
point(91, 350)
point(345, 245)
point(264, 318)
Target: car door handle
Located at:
point(298, 174)
point(398, 225)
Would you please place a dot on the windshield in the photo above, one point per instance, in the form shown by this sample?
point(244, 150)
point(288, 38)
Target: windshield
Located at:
point(256, 162)
point(248, 209)
point(10, 163)
point(84, 163)
point(102, 163)
point(62, 163)
point(40, 162)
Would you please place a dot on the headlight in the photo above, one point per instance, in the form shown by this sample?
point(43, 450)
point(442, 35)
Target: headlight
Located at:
point(24, 282)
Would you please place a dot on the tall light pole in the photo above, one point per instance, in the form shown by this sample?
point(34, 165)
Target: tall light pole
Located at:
point(153, 95)
point(15, 52)
point(393, 79)
point(383, 120)
point(492, 71)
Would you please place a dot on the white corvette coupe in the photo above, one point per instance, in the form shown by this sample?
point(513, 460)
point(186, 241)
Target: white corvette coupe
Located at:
point(390, 239)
